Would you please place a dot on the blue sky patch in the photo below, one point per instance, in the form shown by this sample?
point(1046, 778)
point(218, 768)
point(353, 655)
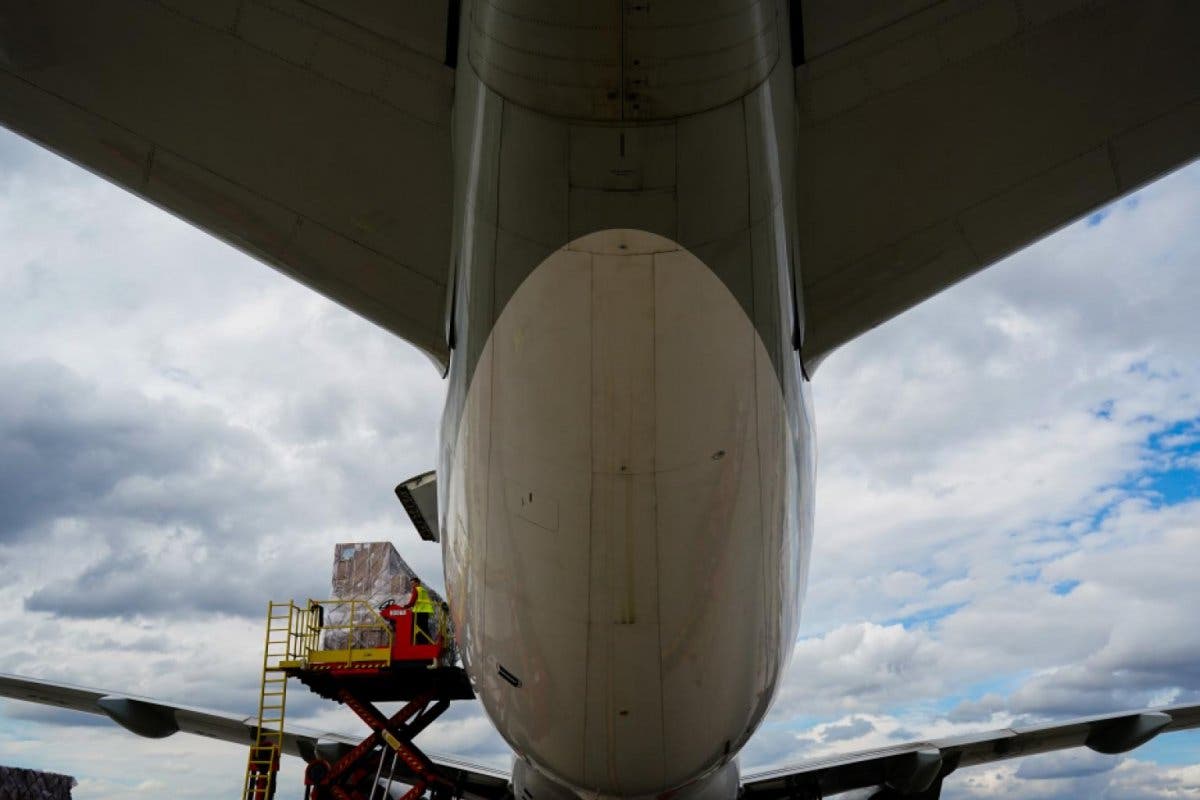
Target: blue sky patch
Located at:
point(925, 617)
point(1172, 465)
point(1064, 588)
point(1177, 749)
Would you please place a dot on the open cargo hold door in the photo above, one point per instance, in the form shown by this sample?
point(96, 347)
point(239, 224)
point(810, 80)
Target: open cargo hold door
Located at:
point(419, 498)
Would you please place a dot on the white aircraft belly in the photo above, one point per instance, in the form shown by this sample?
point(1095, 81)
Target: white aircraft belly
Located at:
point(615, 535)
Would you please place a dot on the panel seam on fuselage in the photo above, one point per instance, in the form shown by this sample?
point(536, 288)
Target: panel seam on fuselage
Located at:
point(587, 641)
point(658, 615)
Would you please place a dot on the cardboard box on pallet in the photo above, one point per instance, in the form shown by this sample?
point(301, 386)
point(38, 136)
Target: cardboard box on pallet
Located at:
point(375, 573)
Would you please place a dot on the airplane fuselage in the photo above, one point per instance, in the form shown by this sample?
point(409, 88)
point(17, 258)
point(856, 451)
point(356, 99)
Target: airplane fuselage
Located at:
point(627, 440)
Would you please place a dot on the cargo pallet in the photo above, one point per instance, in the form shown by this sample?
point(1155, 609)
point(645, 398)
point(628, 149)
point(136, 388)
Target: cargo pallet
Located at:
point(376, 656)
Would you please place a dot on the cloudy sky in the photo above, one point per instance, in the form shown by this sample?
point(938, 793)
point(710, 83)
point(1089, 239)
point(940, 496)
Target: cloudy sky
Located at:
point(1007, 519)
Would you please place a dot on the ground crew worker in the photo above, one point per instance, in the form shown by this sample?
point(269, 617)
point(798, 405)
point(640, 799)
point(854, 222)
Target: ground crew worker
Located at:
point(423, 608)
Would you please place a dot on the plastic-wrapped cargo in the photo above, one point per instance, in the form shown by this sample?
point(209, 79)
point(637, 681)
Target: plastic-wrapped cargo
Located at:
point(372, 572)
point(375, 573)
point(29, 784)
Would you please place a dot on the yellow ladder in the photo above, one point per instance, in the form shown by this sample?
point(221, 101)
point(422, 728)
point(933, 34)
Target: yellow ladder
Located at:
point(263, 764)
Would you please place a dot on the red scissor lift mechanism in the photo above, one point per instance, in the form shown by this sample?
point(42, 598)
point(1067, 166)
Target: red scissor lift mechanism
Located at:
point(357, 774)
point(406, 671)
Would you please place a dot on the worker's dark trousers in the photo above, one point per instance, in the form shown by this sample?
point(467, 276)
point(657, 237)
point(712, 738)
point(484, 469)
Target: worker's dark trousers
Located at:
point(422, 633)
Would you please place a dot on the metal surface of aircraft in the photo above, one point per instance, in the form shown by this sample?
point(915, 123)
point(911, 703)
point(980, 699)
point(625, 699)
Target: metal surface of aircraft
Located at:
point(627, 232)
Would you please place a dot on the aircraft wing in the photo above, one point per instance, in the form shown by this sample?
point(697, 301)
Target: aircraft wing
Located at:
point(155, 719)
point(938, 137)
point(916, 770)
point(312, 134)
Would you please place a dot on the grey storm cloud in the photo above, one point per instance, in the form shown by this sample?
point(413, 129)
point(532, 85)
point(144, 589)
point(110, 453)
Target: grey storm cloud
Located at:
point(1066, 764)
point(180, 505)
point(855, 728)
point(66, 450)
point(126, 585)
point(977, 710)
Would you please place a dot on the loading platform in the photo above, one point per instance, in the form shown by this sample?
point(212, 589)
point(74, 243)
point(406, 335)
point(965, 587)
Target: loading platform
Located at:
point(354, 654)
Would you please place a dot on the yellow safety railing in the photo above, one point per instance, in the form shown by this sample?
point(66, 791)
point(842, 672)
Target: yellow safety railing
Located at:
point(338, 631)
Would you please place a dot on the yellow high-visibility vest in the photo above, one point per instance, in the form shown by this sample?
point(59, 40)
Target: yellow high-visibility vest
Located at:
point(424, 604)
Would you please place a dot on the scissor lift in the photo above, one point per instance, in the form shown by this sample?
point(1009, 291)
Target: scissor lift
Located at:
point(375, 656)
